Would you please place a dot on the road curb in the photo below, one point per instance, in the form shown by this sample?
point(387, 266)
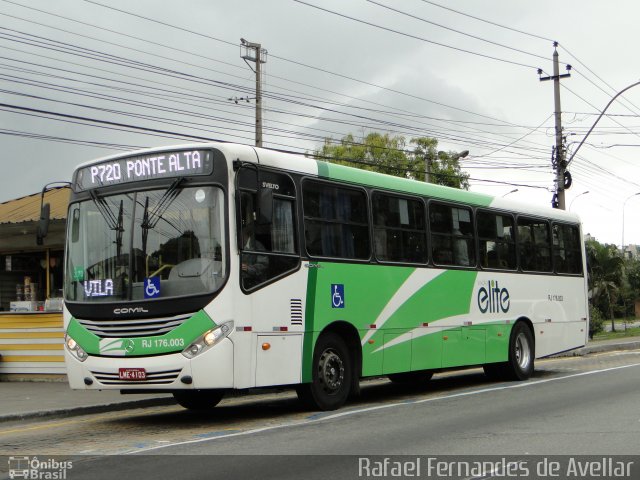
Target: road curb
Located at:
point(600, 348)
point(88, 410)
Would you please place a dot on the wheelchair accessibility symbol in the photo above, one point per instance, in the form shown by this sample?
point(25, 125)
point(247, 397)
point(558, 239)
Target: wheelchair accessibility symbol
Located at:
point(152, 287)
point(337, 295)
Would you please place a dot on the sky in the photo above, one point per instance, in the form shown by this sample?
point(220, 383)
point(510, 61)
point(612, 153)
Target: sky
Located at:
point(82, 79)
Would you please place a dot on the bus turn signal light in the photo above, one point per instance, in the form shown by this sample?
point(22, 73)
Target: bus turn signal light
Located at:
point(266, 346)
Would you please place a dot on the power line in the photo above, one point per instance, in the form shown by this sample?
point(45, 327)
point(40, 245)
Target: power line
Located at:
point(415, 37)
point(75, 141)
point(294, 62)
point(475, 37)
point(488, 21)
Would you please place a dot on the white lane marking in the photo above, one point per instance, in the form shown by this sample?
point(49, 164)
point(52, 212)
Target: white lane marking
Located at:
point(381, 407)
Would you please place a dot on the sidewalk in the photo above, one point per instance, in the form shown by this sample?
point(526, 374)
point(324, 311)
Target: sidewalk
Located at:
point(23, 399)
point(629, 343)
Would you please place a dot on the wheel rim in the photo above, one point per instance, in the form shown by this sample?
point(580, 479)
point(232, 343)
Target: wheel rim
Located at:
point(523, 351)
point(330, 371)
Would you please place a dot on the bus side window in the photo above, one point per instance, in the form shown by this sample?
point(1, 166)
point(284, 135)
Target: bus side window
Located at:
point(268, 249)
point(452, 235)
point(336, 221)
point(496, 240)
point(399, 229)
point(534, 245)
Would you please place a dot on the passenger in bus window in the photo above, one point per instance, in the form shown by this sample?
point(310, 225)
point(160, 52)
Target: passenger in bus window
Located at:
point(254, 266)
point(461, 249)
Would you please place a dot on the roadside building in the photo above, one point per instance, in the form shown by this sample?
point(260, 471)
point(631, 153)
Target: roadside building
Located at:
point(31, 333)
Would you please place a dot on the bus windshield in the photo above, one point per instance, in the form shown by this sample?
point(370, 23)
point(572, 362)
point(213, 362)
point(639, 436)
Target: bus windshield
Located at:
point(152, 244)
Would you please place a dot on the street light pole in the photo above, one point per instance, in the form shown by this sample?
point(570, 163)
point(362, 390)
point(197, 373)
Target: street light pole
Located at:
point(427, 162)
point(579, 195)
point(599, 117)
point(624, 205)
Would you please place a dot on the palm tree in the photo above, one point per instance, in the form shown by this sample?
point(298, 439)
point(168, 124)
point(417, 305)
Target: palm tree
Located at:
point(606, 272)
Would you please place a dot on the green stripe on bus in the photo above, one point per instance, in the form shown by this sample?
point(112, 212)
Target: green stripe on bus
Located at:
point(354, 175)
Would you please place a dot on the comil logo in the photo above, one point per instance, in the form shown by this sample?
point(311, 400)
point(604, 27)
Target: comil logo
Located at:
point(129, 310)
point(493, 299)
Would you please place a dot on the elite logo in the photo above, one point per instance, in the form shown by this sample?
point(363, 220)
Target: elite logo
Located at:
point(493, 299)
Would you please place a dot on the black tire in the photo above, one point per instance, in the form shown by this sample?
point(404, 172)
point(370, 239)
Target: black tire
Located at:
point(410, 378)
point(521, 356)
point(332, 375)
point(521, 353)
point(198, 399)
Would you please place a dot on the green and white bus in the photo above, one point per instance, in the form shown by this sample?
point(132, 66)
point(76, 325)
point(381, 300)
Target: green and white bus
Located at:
point(204, 268)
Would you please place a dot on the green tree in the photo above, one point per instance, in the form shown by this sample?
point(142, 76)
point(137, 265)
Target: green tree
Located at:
point(444, 166)
point(595, 321)
point(376, 152)
point(631, 292)
point(606, 276)
point(385, 153)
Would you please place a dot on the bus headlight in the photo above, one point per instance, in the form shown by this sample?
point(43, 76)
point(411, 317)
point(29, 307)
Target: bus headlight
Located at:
point(208, 339)
point(75, 349)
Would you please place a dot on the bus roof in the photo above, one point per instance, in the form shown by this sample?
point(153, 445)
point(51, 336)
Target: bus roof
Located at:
point(309, 166)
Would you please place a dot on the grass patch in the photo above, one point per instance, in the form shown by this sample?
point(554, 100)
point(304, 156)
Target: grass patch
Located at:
point(619, 333)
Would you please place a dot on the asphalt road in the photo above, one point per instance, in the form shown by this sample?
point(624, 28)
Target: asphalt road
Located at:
point(574, 406)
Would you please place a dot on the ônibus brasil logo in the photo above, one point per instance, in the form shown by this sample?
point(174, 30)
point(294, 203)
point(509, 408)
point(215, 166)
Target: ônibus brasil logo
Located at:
point(493, 299)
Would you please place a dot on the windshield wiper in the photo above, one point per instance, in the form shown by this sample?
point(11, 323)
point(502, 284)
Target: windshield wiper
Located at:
point(104, 210)
point(151, 219)
point(114, 223)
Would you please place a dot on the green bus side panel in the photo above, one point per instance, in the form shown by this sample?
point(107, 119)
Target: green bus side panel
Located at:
point(398, 358)
point(427, 352)
point(367, 289)
point(463, 346)
point(399, 344)
point(498, 342)
point(448, 295)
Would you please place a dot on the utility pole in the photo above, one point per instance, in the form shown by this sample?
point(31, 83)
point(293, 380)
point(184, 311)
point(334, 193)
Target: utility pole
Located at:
point(253, 52)
point(427, 168)
point(559, 161)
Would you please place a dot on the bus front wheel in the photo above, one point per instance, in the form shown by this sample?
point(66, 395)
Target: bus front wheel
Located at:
point(198, 399)
point(331, 376)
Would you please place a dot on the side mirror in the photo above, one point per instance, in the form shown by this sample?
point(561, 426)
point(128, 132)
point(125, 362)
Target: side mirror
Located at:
point(43, 224)
point(265, 206)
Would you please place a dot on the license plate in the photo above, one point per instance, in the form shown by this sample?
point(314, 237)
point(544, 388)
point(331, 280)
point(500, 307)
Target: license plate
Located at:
point(132, 374)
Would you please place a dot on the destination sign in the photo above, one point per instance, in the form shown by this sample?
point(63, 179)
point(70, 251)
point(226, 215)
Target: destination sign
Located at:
point(146, 167)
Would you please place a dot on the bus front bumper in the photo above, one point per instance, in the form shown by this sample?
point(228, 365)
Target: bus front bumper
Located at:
point(212, 368)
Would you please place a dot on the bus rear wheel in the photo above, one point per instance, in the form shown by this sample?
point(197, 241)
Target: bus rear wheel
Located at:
point(331, 376)
point(521, 352)
point(198, 399)
point(521, 356)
